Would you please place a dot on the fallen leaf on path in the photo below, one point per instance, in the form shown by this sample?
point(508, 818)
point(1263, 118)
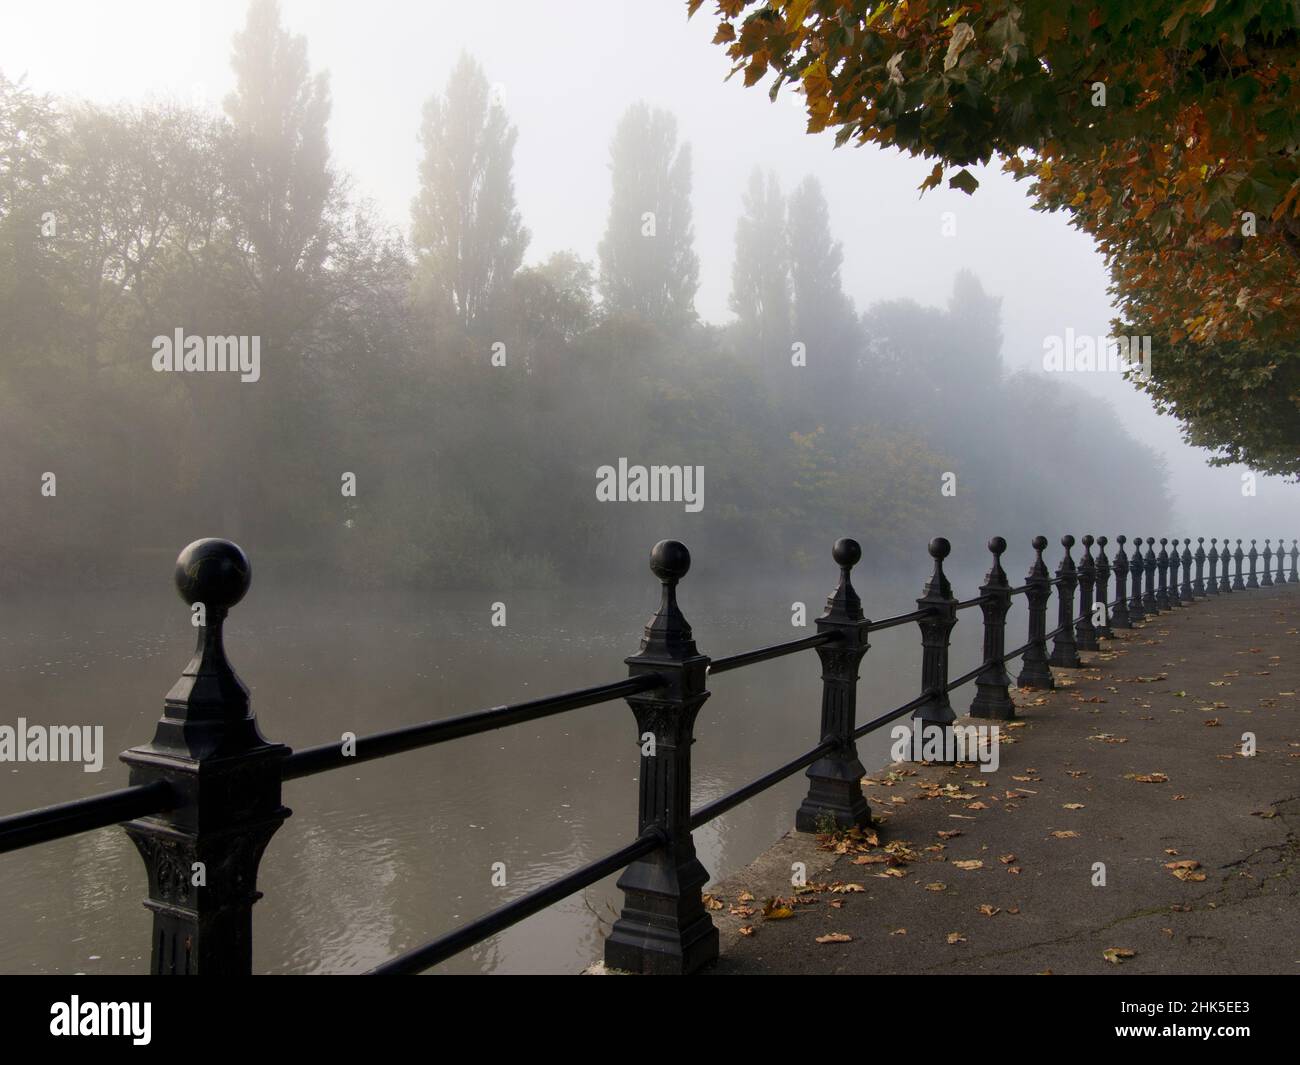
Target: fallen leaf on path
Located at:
point(974, 863)
point(835, 937)
point(956, 937)
point(1067, 834)
point(990, 911)
point(1115, 954)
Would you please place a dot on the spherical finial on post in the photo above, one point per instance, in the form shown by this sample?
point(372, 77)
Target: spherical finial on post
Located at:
point(843, 604)
point(997, 546)
point(847, 553)
point(937, 587)
point(1088, 541)
point(1067, 541)
point(668, 633)
point(1039, 543)
point(213, 572)
point(670, 561)
point(1121, 539)
point(1102, 541)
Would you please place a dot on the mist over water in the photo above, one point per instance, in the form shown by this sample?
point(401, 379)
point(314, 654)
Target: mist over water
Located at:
point(475, 268)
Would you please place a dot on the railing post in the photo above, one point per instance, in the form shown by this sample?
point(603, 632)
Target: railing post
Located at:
point(1085, 632)
point(1136, 607)
point(940, 606)
point(1103, 590)
point(1064, 651)
point(1212, 585)
point(835, 779)
point(1225, 556)
point(1119, 618)
point(1238, 556)
point(1149, 603)
point(1185, 592)
point(992, 694)
point(1035, 671)
point(1295, 570)
point(202, 855)
point(1162, 568)
point(1281, 555)
point(1253, 581)
point(664, 927)
point(1267, 580)
point(1198, 585)
point(1175, 560)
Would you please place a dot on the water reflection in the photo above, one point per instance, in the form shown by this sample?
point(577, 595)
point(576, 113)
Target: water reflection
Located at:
point(381, 857)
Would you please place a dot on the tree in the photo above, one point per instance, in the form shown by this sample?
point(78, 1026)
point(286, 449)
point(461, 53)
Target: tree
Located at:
point(1165, 128)
point(279, 169)
point(824, 318)
point(760, 273)
point(467, 234)
point(648, 265)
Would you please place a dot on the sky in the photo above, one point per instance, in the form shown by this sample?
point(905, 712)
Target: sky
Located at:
point(566, 70)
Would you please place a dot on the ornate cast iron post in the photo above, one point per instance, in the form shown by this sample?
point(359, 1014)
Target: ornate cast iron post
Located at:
point(1119, 618)
point(664, 927)
point(1162, 568)
point(202, 855)
point(1085, 632)
point(1238, 556)
point(1212, 585)
point(1137, 567)
point(1253, 580)
point(1281, 576)
point(1034, 670)
point(835, 779)
point(1102, 589)
point(992, 697)
point(1185, 592)
point(1064, 652)
point(1149, 603)
point(1267, 580)
point(940, 616)
point(1198, 585)
point(1295, 555)
point(1225, 557)
point(1174, 561)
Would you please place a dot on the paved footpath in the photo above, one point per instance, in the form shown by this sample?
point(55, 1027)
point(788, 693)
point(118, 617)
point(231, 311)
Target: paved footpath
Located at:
point(1135, 762)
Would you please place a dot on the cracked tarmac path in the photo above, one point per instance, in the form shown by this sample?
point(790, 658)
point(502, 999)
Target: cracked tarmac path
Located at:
point(1141, 706)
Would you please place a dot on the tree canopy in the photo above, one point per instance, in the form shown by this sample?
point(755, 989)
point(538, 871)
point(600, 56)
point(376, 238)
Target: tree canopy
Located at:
point(1167, 129)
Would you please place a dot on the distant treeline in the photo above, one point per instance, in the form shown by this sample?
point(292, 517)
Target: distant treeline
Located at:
point(473, 397)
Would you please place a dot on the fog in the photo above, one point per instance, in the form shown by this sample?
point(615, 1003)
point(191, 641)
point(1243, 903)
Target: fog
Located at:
point(435, 400)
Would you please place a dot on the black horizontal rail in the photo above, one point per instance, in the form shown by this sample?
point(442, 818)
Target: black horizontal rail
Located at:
point(890, 715)
point(83, 815)
point(328, 756)
point(665, 690)
point(423, 957)
point(763, 654)
point(898, 619)
point(718, 807)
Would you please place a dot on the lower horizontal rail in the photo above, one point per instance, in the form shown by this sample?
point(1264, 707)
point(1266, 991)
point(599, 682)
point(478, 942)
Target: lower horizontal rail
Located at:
point(886, 718)
point(83, 815)
point(444, 947)
point(718, 807)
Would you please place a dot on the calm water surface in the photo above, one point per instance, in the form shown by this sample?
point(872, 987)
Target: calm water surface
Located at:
point(386, 855)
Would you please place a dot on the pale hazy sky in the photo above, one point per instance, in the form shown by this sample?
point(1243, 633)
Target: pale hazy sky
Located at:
point(567, 69)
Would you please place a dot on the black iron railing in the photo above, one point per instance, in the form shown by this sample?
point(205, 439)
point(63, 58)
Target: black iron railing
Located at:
point(204, 798)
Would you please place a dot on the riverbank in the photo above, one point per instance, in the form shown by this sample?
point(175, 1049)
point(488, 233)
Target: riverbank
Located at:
point(1128, 828)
